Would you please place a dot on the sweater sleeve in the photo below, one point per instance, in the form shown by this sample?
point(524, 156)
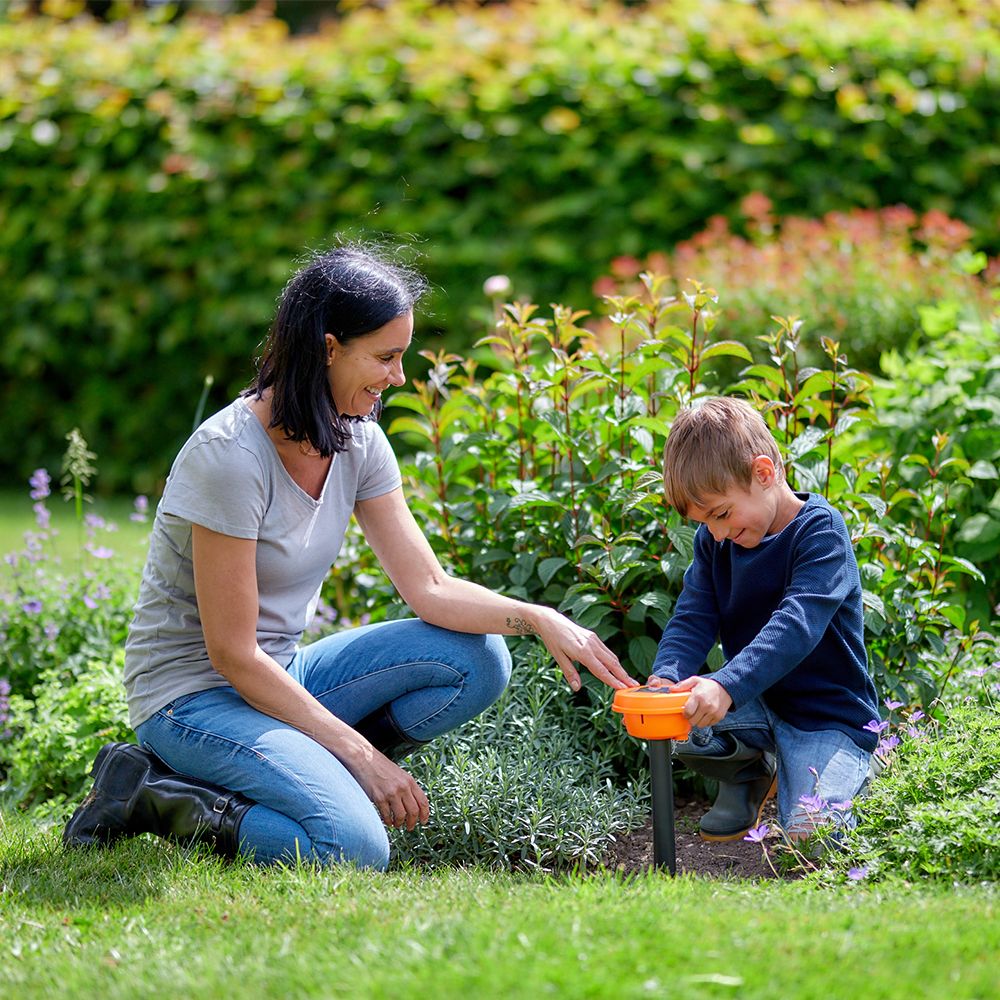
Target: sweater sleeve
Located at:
point(820, 582)
point(694, 625)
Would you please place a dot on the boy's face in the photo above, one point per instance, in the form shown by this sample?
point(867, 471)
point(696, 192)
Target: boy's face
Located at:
point(746, 515)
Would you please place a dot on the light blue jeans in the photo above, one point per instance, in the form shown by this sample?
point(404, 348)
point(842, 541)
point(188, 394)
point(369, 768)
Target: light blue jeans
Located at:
point(309, 805)
point(819, 773)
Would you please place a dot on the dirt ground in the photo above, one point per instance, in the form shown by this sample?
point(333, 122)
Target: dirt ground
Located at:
point(736, 859)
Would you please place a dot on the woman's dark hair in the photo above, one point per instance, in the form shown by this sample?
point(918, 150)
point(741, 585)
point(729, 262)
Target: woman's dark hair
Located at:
point(349, 291)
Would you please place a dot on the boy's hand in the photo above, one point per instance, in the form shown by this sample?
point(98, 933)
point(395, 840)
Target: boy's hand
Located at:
point(708, 703)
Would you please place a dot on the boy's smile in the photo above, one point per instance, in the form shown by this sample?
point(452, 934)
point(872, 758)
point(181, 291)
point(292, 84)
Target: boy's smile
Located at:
point(746, 515)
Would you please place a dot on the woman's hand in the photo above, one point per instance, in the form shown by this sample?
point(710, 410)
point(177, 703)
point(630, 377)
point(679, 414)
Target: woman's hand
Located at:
point(399, 800)
point(569, 642)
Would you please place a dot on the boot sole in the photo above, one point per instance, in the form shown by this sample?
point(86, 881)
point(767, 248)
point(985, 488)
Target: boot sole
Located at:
point(721, 838)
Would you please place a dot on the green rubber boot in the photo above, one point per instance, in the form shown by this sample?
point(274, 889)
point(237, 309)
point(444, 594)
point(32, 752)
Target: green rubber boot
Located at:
point(747, 779)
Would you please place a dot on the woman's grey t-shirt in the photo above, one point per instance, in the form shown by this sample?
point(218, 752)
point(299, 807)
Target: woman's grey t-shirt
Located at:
point(228, 478)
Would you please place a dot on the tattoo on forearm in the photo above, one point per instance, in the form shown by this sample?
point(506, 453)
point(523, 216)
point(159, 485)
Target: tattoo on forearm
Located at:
point(520, 626)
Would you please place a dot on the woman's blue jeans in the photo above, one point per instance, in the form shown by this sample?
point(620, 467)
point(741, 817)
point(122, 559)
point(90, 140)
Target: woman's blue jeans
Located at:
point(309, 805)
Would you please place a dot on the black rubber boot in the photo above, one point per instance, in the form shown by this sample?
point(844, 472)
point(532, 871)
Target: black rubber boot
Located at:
point(747, 779)
point(383, 732)
point(135, 792)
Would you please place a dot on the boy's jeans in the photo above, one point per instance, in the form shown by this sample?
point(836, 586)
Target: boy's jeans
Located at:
point(309, 804)
point(826, 766)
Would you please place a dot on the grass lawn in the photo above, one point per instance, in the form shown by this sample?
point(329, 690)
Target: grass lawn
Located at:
point(16, 516)
point(150, 920)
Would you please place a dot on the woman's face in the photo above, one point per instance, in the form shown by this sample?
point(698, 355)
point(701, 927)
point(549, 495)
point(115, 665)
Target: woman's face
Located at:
point(362, 368)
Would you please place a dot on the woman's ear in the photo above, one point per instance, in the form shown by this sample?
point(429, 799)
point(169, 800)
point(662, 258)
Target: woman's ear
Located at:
point(763, 471)
point(331, 347)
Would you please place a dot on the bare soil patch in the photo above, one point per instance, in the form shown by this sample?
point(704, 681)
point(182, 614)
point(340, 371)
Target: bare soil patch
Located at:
point(735, 859)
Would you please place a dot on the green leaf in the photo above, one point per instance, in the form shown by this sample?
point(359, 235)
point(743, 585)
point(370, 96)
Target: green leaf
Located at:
point(641, 653)
point(728, 349)
point(682, 536)
point(548, 568)
point(982, 470)
point(410, 425)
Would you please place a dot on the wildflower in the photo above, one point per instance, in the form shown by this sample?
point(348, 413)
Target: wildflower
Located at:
point(813, 803)
point(100, 551)
point(892, 705)
point(886, 745)
point(756, 834)
point(916, 716)
point(497, 284)
point(857, 874)
point(978, 671)
point(93, 520)
point(39, 483)
point(102, 592)
point(42, 515)
point(32, 607)
point(89, 602)
point(842, 806)
point(51, 631)
point(141, 505)
point(876, 726)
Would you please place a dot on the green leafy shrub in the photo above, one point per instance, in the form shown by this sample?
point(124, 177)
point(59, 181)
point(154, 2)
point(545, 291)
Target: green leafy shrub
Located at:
point(935, 811)
point(158, 180)
point(55, 734)
point(941, 393)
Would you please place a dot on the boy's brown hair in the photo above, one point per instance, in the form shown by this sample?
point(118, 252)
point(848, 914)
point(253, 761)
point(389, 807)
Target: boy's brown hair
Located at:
point(711, 447)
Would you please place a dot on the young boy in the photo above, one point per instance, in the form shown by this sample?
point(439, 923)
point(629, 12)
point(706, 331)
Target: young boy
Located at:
point(774, 579)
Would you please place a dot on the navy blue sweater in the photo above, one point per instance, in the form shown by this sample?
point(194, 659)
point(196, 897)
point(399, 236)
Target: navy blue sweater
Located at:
point(788, 616)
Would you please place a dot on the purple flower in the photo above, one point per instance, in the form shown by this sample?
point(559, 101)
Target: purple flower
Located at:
point(842, 806)
point(32, 607)
point(876, 726)
point(42, 515)
point(141, 504)
point(39, 483)
point(4, 687)
point(93, 520)
point(813, 803)
point(89, 601)
point(756, 834)
point(886, 745)
point(101, 592)
point(100, 551)
point(857, 874)
point(51, 631)
point(913, 731)
point(892, 705)
point(978, 671)
point(916, 716)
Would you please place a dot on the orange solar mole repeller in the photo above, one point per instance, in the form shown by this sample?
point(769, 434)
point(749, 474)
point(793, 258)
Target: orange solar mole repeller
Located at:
point(657, 716)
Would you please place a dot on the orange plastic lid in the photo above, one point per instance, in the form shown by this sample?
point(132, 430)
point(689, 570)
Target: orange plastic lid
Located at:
point(653, 713)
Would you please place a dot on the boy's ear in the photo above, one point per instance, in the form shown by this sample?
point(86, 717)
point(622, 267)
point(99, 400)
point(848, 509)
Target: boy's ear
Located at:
point(763, 471)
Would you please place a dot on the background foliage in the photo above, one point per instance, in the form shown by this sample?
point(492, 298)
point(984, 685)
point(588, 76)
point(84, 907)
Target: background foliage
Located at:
point(157, 181)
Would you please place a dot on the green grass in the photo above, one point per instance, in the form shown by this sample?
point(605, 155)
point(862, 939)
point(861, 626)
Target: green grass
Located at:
point(16, 517)
point(150, 920)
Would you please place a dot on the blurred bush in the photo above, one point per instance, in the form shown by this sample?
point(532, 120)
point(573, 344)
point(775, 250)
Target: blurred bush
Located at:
point(864, 277)
point(157, 180)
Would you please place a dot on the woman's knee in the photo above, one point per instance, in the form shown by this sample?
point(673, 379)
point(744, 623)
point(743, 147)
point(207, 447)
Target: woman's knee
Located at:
point(490, 670)
point(363, 844)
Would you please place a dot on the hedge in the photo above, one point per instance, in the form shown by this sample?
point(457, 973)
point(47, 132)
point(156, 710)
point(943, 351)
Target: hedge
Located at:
point(158, 181)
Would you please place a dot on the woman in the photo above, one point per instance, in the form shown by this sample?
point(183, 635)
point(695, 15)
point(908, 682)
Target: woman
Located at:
point(248, 741)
